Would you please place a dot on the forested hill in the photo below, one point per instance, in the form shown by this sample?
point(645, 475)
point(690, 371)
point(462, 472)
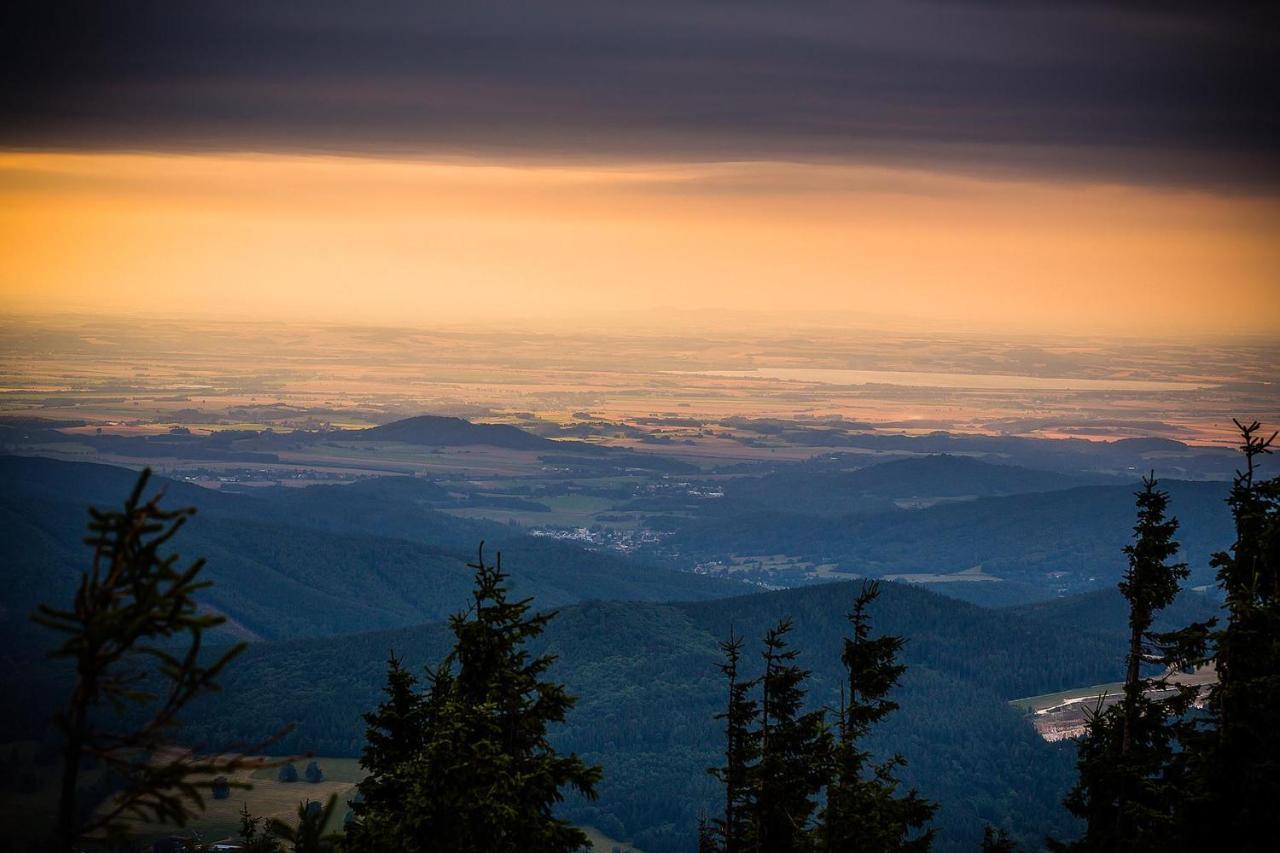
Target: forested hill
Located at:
point(313, 562)
point(1105, 612)
point(438, 431)
point(827, 489)
point(646, 674)
point(1068, 539)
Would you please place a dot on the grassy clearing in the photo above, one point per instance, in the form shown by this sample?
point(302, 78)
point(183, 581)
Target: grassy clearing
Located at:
point(974, 574)
point(768, 562)
point(268, 798)
point(1051, 700)
point(602, 842)
point(28, 815)
point(1202, 677)
point(335, 770)
point(566, 511)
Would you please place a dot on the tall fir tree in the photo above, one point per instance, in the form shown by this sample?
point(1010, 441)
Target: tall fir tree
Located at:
point(484, 776)
point(394, 735)
point(795, 748)
point(863, 812)
point(733, 832)
point(1238, 758)
point(1150, 584)
point(1132, 785)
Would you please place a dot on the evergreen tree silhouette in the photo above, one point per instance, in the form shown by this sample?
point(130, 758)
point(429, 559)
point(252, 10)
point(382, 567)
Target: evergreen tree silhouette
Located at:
point(477, 772)
point(862, 811)
point(733, 831)
point(1238, 756)
point(394, 734)
point(1132, 784)
point(795, 749)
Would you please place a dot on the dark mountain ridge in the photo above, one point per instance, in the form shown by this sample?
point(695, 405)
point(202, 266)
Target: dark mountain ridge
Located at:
point(1105, 612)
point(1053, 542)
point(832, 491)
point(307, 562)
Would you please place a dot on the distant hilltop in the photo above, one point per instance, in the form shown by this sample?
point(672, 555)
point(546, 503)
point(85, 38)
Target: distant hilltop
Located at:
point(440, 431)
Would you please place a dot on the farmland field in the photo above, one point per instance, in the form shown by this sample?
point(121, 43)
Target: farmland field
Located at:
point(271, 798)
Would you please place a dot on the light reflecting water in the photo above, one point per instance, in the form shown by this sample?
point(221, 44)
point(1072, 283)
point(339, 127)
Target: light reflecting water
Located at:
point(920, 379)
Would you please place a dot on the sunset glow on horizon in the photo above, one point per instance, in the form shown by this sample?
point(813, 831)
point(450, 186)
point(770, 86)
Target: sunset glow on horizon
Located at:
point(420, 241)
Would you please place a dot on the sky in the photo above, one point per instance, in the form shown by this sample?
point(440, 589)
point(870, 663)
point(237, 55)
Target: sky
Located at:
point(1081, 168)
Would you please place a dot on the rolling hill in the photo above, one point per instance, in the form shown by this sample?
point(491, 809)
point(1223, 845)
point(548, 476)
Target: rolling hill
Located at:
point(1105, 612)
point(438, 431)
point(816, 489)
point(1048, 543)
point(312, 562)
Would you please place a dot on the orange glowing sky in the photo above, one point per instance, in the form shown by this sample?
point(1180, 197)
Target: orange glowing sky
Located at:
point(416, 242)
point(421, 242)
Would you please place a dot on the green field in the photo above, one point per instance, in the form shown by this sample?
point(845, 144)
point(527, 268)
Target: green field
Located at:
point(269, 798)
point(1202, 678)
point(26, 815)
point(1050, 700)
point(602, 842)
point(566, 511)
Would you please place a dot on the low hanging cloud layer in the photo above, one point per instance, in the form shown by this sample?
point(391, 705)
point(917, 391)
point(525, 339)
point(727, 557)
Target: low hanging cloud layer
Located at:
point(1165, 94)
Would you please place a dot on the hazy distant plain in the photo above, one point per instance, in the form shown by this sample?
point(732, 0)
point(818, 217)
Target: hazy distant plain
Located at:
point(151, 375)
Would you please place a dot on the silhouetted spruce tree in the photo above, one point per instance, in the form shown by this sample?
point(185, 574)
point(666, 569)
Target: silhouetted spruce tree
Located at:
point(1238, 756)
point(1132, 784)
point(862, 812)
point(733, 831)
point(132, 606)
point(1150, 584)
point(484, 776)
point(394, 734)
point(794, 748)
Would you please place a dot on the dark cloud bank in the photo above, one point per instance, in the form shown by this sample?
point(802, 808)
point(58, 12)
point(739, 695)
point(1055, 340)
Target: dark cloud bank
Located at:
point(1160, 92)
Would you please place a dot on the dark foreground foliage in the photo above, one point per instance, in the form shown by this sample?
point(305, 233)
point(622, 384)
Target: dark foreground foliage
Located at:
point(123, 634)
point(780, 759)
point(1154, 774)
point(466, 765)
